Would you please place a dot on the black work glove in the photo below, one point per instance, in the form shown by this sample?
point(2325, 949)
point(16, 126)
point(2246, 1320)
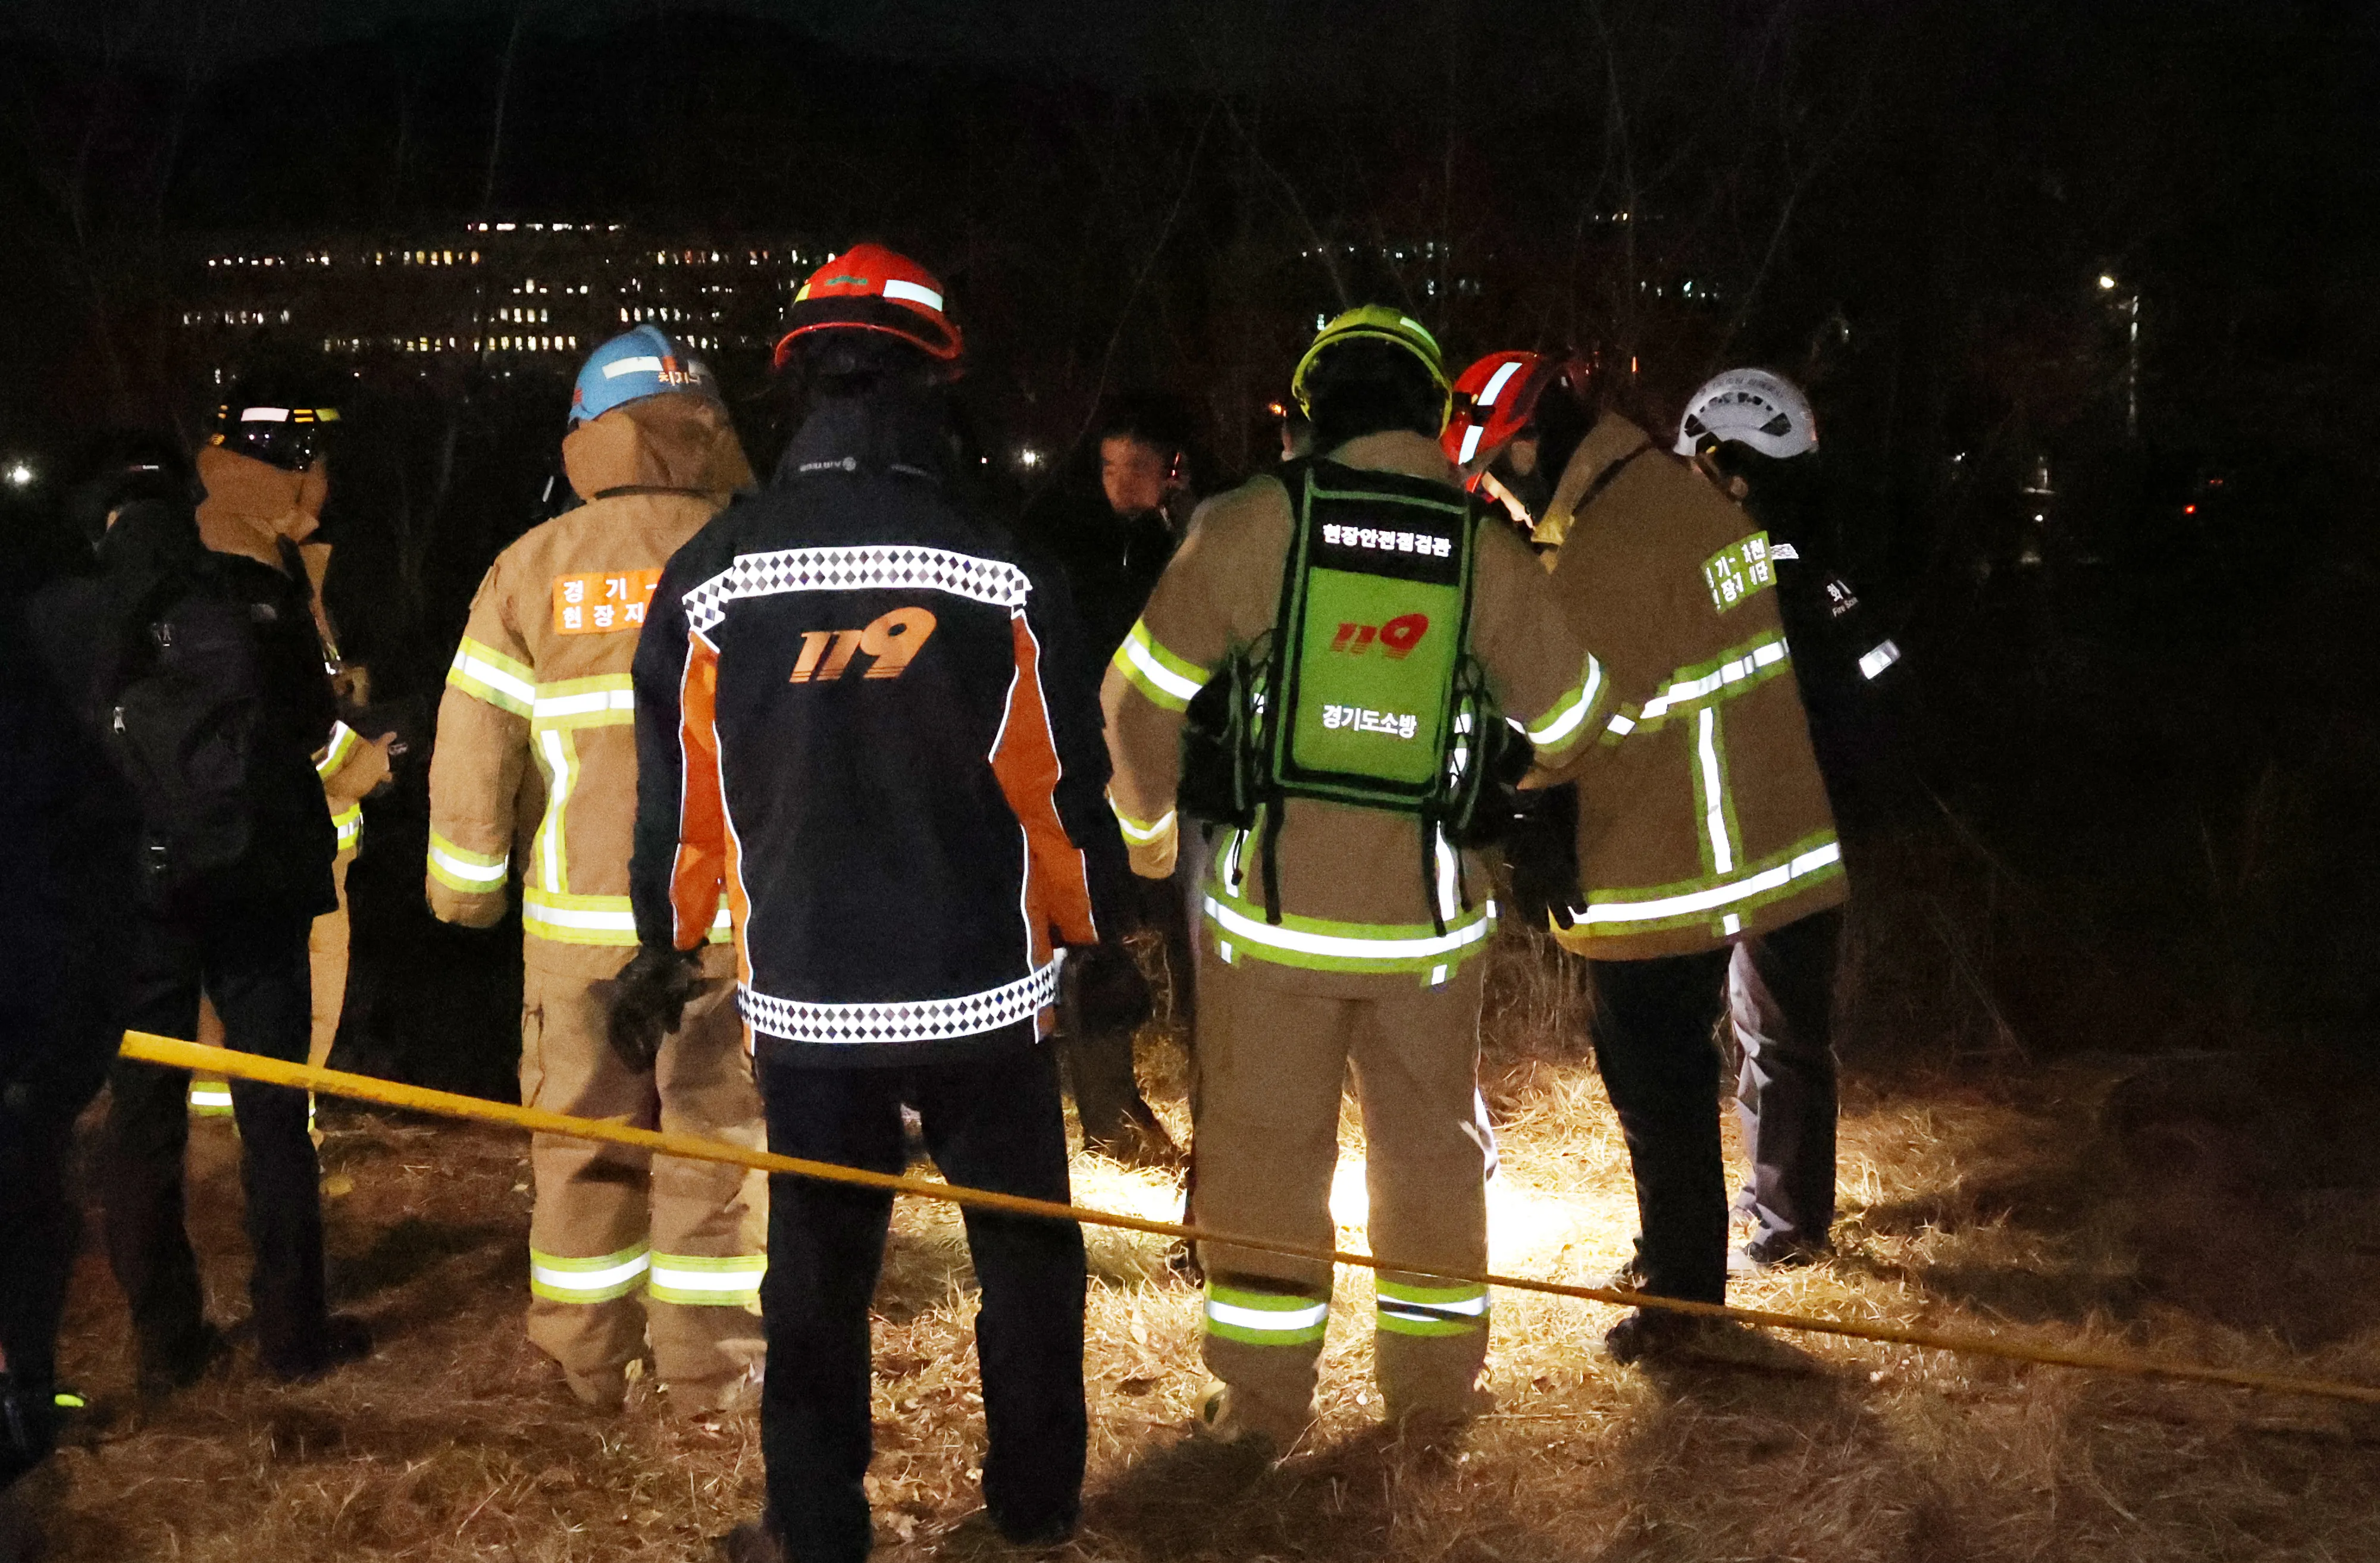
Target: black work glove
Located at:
point(1541, 852)
point(650, 1001)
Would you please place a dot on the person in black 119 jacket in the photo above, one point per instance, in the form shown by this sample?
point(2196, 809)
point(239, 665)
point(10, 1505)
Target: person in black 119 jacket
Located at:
point(862, 716)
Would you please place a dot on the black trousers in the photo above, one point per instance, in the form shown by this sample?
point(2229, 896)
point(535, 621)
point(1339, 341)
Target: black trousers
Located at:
point(40, 1230)
point(1653, 1021)
point(996, 1124)
point(255, 970)
point(1780, 995)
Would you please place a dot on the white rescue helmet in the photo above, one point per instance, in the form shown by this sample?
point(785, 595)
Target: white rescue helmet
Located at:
point(1750, 408)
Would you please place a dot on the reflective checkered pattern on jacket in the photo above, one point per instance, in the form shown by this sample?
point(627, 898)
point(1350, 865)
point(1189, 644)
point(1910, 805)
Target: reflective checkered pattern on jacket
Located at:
point(921, 1020)
point(857, 568)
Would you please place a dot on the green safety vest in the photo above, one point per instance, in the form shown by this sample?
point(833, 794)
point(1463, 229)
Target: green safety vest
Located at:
point(1364, 692)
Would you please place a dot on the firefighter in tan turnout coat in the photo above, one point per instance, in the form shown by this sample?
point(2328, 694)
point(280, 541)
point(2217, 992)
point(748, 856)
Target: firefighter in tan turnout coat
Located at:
point(621, 1246)
point(1364, 956)
point(1708, 825)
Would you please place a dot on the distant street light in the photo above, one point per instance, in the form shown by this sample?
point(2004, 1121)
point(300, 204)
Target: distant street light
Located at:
point(2107, 282)
point(19, 475)
point(1029, 457)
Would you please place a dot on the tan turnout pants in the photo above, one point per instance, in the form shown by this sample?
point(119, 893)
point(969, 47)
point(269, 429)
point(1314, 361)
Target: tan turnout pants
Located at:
point(326, 952)
point(1270, 1066)
point(624, 1245)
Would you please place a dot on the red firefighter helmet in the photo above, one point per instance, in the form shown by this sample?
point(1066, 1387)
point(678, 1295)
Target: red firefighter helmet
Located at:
point(868, 287)
point(1495, 399)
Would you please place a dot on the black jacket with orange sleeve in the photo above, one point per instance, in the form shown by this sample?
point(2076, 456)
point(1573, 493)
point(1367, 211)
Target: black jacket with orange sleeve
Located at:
point(862, 712)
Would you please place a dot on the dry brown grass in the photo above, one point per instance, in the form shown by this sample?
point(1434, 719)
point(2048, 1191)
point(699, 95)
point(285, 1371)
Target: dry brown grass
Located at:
point(1974, 1203)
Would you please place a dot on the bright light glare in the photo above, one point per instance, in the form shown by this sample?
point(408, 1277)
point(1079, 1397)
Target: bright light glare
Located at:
point(19, 475)
point(1523, 1228)
point(2107, 282)
point(1028, 456)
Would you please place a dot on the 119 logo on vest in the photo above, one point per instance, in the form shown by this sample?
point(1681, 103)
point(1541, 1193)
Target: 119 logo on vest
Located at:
point(1396, 639)
point(891, 641)
point(602, 600)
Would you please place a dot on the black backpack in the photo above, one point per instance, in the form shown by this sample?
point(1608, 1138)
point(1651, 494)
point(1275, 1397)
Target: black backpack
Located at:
point(182, 715)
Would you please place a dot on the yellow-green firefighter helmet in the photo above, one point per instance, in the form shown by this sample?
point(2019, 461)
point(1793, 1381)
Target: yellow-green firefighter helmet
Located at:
point(1385, 323)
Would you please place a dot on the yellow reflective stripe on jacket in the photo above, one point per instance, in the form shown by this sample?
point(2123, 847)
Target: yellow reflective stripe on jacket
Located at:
point(349, 824)
point(344, 742)
point(604, 700)
point(1266, 1318)
point(1733, 672)
point(1716, 899)
point(594, 919)
point(700, 1281)
point(459, 868)
point(1431, 1310)
point(1321, 945)
point(210, 1099)
point(1169, 680)
point(1142, 832)
point(558, 1280)
point(550, 862)
point(1714, 800)
point(487, 674)
point(1569, 718)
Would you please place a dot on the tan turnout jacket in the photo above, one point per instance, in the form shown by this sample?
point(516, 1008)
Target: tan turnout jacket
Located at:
point(1707, 818)
point(1355, 912)
point(536, 733)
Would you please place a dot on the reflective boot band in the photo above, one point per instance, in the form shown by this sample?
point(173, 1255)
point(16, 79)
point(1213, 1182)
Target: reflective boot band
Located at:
point(587, 1280)
point(1431, 1310)
point(732, 1282)
point(1266, 1318)
point(210, 1099)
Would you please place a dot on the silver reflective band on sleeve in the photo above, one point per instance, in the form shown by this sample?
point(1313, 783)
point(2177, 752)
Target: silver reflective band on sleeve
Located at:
point(1718, 895)
point(475, 873)
point(1157, 673)
point(1141, 835)
point(1268, 1321)
point(544, 910)
point(495, 677)
point(1622, 725)
point(1881, 657)
point(547, 708)
point(1565, 720)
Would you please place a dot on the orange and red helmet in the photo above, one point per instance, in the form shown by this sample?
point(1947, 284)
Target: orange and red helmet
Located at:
point(868, 287)
point(1496, 398)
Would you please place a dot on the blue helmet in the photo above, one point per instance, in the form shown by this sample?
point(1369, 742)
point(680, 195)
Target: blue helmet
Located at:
point(643, 362)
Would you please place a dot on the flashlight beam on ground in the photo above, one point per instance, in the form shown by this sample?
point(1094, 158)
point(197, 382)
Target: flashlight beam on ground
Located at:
point(174, 1054)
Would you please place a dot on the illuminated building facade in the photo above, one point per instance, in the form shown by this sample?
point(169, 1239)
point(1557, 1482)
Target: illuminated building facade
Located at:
point(504, 294)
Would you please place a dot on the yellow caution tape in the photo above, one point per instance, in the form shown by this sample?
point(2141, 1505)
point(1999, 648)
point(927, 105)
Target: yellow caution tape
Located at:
point(172, 1054)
